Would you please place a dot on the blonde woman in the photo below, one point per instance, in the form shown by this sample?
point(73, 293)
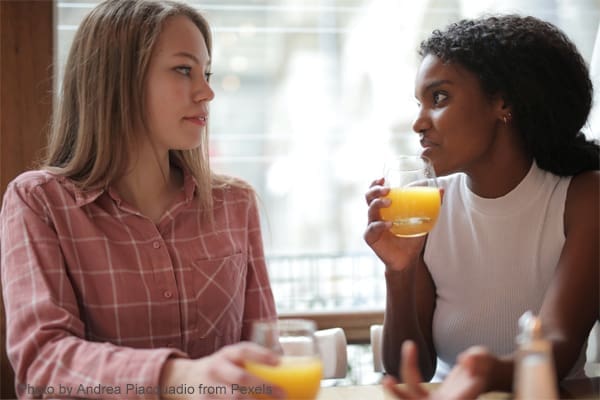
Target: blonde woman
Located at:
point(129, 269)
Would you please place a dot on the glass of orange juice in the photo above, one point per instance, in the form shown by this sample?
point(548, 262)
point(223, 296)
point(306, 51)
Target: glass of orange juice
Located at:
point(414, 194)
point(300, 371)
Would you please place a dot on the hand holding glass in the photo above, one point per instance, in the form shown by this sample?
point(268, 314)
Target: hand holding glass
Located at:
point(300, 370)
point(414, 194)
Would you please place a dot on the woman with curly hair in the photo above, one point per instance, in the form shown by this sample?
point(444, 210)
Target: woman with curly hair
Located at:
point(502, 100)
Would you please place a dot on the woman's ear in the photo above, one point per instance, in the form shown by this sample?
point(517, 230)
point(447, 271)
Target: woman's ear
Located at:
point(507, 115)
point(502, 108)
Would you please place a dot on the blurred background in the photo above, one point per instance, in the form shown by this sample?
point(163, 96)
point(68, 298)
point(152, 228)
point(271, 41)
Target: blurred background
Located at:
point(311, 95)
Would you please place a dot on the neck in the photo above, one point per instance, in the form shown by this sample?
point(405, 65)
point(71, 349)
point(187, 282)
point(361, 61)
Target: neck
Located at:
point(501, 170)
point(150, 184)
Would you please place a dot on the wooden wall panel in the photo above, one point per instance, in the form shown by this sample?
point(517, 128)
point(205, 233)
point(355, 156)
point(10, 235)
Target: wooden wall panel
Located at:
point(26, 43)
point(26, 51)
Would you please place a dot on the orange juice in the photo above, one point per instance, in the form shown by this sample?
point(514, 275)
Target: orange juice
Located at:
point(299, 376)
point(413, 211)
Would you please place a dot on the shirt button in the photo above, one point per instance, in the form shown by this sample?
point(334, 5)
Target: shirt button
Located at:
point(156, 245)
point(167, 294)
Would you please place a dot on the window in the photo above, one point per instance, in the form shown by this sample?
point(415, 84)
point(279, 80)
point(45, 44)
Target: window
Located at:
point(310, 96)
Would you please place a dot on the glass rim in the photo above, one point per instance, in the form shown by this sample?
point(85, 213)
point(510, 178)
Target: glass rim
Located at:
point(391, 163)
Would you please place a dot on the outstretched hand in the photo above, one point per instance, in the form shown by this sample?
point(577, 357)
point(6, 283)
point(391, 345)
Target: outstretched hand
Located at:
point(467, 380)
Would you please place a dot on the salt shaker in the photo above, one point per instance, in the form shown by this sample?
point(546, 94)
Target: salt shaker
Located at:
point(535, 376)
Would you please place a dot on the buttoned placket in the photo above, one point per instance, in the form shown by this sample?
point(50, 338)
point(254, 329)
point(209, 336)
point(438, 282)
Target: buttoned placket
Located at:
point(165, 287)
point(164, 276)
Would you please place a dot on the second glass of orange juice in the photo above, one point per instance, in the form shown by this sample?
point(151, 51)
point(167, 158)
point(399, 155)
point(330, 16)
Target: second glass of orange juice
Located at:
point(414, 194)
point(300, 370)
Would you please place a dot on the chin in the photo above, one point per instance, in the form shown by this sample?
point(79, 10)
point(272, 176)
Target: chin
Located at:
point(434, 163)
point(191, 142)
point(440, 168)
point(189, 148)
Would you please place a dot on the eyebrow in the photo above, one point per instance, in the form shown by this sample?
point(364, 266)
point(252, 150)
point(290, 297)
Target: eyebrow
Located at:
point(437, 83)
point(190, 56)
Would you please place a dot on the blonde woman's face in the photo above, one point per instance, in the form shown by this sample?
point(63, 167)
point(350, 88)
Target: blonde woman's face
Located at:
point(177, 87)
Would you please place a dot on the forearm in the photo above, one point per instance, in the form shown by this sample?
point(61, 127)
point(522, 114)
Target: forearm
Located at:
point(402, 323)
point(174, 373)
point(501, 373)
point(48, 349)
point(566, 352)
point(73, 367)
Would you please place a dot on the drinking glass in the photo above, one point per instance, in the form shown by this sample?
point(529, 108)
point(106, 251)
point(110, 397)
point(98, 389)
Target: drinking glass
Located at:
point(300, 370)
point(414, 194)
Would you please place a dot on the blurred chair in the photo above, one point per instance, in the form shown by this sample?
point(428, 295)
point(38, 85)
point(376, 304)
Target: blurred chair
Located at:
point(332, 348)
point(592, 365)
point(376, 333)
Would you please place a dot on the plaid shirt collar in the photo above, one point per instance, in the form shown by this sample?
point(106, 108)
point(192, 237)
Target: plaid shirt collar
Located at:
point(87, 196)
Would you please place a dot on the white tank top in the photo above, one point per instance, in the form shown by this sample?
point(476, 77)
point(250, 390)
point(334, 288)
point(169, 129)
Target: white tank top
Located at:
point(491, 260)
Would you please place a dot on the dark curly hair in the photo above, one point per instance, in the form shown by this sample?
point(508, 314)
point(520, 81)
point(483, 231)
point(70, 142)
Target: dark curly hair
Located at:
point(539, 73)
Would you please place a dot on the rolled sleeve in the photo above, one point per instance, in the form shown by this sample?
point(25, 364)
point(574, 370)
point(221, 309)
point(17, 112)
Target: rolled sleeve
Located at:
point(45, 334)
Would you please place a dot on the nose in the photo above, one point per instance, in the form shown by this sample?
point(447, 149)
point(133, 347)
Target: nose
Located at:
point(203, 91)
point(422, 122)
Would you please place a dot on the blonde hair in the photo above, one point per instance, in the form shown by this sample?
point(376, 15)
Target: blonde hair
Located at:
point(103, 92)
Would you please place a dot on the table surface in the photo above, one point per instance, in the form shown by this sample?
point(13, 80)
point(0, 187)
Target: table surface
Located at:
point(377, 392)
point(575, 389)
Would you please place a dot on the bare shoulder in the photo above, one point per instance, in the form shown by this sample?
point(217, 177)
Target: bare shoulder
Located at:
point(583, 200)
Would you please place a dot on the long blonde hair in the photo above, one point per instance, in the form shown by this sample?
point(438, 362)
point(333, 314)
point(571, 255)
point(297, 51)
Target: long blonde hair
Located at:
point(103, 92)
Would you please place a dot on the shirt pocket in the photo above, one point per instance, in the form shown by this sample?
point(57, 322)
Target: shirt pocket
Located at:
point(219, 292)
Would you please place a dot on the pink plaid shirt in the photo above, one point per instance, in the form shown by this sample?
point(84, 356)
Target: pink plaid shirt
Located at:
point(98, 295)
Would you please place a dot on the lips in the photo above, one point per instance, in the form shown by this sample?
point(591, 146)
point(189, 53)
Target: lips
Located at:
point(425, 143)
point(197, 119)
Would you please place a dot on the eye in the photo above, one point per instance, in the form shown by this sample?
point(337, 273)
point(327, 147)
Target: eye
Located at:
point(439, 97)
point(184, 70)
point(207, 75)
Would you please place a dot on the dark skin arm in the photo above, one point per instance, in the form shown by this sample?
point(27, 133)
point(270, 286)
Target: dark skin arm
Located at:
point(408, 316)
point(568, 312)
point(410, 290)
point(570, 305)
